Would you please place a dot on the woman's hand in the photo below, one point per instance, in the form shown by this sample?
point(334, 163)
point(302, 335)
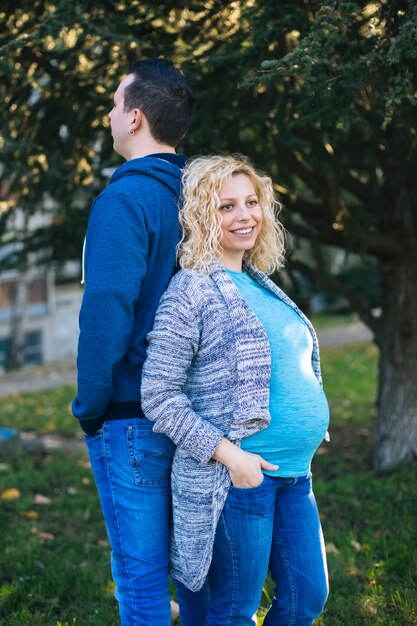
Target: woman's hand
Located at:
point(248, 472)
point(245, 468)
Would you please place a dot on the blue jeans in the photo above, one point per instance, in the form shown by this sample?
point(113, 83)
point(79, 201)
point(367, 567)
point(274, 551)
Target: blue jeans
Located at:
point(274, 525)
point(132, 468)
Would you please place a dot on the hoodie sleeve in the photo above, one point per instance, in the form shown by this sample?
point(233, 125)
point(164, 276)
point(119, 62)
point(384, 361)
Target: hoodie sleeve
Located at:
point(173, 342)
point(115, 259)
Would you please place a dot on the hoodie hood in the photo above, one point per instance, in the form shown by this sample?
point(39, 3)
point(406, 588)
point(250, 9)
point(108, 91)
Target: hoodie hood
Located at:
point(162, 167)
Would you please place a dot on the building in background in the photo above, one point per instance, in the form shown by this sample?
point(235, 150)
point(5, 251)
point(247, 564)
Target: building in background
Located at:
point(50, 319)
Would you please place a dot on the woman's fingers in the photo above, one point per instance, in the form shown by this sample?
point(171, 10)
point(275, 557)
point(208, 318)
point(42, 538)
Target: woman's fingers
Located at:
point(268, 466)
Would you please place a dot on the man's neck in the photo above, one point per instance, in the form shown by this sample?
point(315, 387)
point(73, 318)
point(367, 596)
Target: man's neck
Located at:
point(146, 148)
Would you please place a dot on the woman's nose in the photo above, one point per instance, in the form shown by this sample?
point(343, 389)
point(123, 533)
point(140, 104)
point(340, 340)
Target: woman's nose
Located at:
point(244, 213)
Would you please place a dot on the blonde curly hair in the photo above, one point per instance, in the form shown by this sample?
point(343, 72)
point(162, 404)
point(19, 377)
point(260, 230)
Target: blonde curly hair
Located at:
point(200, 217)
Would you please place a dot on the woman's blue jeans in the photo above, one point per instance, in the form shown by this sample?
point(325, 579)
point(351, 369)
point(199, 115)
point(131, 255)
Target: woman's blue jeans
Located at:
point(132, 469)
point(274, 525)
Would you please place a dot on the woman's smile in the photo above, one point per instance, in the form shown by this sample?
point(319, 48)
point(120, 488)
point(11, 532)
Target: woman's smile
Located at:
point(243, 231)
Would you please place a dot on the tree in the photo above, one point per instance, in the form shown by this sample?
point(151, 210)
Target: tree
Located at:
point(320, 95)
point(60, 61)
point(329, 108)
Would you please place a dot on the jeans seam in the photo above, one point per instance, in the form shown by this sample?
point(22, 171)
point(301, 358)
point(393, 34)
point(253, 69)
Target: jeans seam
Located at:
point(234, 585)
point(117, 524)
point(291, 585)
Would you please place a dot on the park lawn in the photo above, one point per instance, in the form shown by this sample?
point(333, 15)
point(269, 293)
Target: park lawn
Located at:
point(322, 321)
point(54, 554)
point(42, 412)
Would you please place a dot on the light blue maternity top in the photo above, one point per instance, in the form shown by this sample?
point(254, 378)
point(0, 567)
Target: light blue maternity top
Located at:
point(298, 405)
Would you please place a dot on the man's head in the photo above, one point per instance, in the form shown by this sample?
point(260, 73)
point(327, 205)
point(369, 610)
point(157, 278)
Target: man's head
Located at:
point(155, 99)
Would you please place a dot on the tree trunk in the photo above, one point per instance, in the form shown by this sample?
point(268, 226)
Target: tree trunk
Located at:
point(16, 350)
point(396, 421)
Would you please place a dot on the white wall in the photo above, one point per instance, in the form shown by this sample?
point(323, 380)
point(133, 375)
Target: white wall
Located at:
point(61, 336)
point(58, 321)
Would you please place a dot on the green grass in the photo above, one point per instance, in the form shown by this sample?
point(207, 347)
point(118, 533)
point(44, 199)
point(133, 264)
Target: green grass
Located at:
point(42, 412)
point(54, 568)
point(54, 555)
point(330, 320)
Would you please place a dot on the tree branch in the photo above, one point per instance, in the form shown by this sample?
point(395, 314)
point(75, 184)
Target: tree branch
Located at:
point(374, 243)
point(333, 283)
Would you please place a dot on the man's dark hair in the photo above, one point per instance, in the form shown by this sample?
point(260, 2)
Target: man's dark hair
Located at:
point(164, 96)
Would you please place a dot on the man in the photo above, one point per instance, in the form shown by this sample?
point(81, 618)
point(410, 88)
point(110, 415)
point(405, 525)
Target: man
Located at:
point(129, 260)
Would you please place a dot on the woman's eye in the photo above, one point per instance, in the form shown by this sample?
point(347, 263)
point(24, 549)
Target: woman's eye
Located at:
point(253, 202)
point(226, 207)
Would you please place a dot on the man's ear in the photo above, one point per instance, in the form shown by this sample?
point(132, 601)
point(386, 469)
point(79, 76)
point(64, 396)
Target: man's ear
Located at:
point(136, 119)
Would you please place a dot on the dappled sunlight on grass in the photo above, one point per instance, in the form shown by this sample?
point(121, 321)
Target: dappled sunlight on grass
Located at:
point(331, 320)
point(350, 379)
point(45, 412)
point(54, 553)
point(368, 518)
point(56, 562)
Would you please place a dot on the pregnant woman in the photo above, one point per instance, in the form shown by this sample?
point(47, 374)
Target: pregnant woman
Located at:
point(232, 376)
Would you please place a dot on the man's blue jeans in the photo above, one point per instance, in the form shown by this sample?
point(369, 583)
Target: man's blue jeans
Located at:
point(275, 524)
point(132, 468)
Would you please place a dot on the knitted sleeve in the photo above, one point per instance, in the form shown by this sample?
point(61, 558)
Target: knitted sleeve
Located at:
point(173, 342)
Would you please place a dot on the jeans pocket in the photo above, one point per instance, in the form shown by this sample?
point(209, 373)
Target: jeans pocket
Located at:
point(247, 489)
point(150, 456)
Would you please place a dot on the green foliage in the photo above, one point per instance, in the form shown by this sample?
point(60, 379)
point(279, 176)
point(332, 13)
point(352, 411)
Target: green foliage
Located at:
point(343, 53)
point(365, 281)
point(327, 105)
point(60, 63)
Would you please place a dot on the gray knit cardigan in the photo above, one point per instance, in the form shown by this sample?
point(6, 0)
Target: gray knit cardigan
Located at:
point(206, 376)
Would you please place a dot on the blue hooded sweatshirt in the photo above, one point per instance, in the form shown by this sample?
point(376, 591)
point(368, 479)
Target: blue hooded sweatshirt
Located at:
point(129, 261)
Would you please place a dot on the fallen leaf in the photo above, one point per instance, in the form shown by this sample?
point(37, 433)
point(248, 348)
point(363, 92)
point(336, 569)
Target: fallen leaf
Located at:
point(369, 607)
point(4, 467)
point(71, 490)
point(355, 544)
point(175, 610)
point(10, 494)
point(48, 536)
point(40, 499)
point(331, 548)
point(352, 570)
point(30, 514)
point(42, 535)
point(85, 481)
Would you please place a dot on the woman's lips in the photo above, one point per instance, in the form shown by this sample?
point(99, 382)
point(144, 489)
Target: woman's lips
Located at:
point(243, 232)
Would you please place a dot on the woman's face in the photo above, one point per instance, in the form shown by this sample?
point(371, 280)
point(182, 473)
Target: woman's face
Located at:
point(241, 219)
